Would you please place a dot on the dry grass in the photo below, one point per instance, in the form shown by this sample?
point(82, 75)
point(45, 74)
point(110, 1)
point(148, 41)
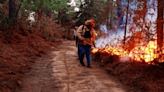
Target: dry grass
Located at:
point(20, 45)
point(140, 77)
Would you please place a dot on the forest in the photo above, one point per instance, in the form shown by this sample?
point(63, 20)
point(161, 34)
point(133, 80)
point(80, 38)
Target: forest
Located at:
point(129, 45)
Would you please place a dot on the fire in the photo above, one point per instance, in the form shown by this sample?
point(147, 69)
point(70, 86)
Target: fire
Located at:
point(146, 53)
point(116, 51)
point(112, 50)
point(140, 53)
point(95, 50)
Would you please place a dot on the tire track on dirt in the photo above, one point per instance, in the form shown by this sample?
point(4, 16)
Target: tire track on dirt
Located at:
point(40, 78)
point(67, 70)
point(83, 79)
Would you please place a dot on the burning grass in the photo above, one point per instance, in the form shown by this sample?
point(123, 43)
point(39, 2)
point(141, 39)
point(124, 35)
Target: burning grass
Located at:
point(138, 63)
point(149, 54)
point(139, 76)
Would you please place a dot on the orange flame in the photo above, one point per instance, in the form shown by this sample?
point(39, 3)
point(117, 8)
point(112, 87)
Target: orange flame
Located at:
point(112, 50)
point(116, 51)
point(146, 53)
point(95, 50)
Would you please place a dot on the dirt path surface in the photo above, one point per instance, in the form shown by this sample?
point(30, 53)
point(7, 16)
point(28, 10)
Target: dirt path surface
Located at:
point(60, 71)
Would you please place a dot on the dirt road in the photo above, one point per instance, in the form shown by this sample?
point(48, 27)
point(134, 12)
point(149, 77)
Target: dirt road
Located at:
point(60, 71)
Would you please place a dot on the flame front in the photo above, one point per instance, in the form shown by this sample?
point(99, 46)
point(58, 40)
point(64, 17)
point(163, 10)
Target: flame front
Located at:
point(95, 50)
point(111, 50)
point(146, 53)
point(116, 51)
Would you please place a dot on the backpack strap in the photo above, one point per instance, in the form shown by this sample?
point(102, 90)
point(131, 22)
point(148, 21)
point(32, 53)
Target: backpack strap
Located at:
point(82, 28)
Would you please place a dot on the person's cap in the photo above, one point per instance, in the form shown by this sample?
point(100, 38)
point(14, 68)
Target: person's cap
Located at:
point(90, 22)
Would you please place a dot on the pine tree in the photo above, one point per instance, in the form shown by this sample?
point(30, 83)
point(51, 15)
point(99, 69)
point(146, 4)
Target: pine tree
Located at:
point(91, 9)
point(160, 23)
point(11, 11)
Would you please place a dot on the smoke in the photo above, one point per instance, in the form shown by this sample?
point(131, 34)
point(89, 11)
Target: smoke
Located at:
point(114, 37)
point(103, 28)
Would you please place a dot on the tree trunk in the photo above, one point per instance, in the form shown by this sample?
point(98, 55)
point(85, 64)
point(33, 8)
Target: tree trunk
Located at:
point(126, 23)
point(11, 9)
point(111, 16)
point(111, 19)
point(91, 3)
point(16, 15)
point(160, 24)
point(119, 13)
point(108, 15)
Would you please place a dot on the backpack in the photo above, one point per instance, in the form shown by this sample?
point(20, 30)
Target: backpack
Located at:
point(85, 31)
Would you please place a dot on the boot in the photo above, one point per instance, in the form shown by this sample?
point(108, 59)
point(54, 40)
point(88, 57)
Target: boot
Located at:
point(89, 66)
point(82, 64)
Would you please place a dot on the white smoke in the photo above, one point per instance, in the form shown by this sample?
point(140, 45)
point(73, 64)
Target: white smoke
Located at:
point(113, 38)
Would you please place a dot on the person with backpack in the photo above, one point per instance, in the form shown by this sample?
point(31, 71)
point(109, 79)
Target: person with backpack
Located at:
point(86, 39)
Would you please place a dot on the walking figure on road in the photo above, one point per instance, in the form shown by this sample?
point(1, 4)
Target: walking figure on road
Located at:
point(75, 36)
point(86, 39)
point(76, 40)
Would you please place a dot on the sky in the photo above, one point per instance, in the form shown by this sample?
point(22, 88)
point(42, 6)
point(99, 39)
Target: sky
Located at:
point(73, 4)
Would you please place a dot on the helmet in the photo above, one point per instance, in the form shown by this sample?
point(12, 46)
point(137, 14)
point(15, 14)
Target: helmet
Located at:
point(90, 22)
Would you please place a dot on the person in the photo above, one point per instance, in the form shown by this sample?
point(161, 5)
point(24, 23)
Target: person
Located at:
point(75, 36)
point(86, 39)
point(76, 40)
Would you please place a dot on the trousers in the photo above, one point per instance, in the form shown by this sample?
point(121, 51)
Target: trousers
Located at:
point(84, 50)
